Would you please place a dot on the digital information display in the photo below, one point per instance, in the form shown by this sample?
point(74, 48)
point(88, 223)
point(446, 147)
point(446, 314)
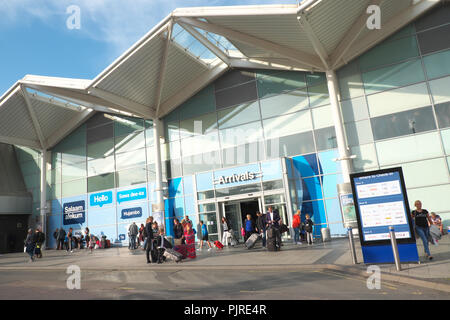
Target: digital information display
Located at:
point(381, 202)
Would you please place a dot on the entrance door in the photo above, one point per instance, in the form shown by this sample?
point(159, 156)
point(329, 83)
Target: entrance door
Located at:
point(236, 213)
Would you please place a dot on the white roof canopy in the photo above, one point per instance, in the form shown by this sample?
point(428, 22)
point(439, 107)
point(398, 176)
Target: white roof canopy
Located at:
point(192, 47)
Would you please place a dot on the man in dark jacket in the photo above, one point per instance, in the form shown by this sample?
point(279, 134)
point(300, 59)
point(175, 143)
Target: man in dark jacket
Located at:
point(39, 239)
point(273, 221)
point(261, 226)
point(150, 244)
point(61, 238)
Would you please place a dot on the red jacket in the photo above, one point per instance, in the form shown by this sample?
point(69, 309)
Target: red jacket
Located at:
point(296, 221)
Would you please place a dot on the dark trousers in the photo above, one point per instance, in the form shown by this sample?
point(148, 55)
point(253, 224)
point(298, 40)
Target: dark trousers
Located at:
point(247, 235)
point(61, 244)
point(149, 251)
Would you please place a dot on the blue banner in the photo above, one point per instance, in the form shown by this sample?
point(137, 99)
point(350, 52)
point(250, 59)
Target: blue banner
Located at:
point(100, 199)
point(132, 195)
point(74, 212)
point(131, 213)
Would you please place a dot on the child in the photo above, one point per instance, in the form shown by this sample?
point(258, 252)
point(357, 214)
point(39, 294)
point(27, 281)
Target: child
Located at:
point(309, 230)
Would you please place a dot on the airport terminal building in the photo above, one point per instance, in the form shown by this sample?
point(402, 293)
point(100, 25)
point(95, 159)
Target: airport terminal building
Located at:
point(225, 111)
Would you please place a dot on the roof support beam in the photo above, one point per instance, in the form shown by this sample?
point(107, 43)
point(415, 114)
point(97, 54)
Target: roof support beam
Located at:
point(352, 34)
point(37, 126)
point(192, 88)
point(373, 37)
point(20, 142)
point(162, 71)
point(208, 44)
point(317, 45)
point(291, 54)
point(128, 105)
point(68, 128)
point(263, 63)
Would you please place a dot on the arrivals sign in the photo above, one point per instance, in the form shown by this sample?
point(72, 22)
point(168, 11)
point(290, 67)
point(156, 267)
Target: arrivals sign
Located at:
point(234, 178)
point(74, 212)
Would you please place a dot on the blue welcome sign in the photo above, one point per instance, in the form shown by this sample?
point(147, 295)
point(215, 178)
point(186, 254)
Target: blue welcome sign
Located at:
point(74, 212)
point(132, 195)
point(131, 213)
point(100, 199)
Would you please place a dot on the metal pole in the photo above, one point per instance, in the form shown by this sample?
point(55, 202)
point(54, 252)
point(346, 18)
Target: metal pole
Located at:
point(43, 200)
point(395, 248)
point(352, 245)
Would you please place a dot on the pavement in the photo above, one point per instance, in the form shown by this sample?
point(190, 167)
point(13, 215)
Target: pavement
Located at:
point(333, 255)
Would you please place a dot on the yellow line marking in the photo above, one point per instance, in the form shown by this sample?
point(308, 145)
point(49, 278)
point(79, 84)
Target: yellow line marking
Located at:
point(125, 288)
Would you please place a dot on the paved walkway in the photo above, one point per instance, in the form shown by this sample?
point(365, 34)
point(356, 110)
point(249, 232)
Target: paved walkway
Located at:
point(334, 254)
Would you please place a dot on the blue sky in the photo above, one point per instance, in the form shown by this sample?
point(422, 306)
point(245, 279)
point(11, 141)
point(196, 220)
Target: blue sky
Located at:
point(35, 38)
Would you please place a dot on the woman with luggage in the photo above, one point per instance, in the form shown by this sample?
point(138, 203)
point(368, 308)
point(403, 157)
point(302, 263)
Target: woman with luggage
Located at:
point(189, 238)
point(422, 221)
point(249, 227)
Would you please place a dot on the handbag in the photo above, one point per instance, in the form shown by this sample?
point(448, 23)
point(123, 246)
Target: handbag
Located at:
point(284, 228)
point(177, 242)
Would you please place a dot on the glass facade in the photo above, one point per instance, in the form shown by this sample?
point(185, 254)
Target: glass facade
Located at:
point(395, 101)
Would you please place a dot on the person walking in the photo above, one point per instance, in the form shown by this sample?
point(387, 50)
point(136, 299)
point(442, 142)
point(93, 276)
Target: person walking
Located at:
point(69, 240)
point(261, 226)
point(141, 235)
point(87, 238)
point(296, 224)
point(61, 238)
point(273, 221)
point(133, 232)
point(39, 240)
point(149, 239)
point(203, 230)
point(55, 236)
point(309, 230)
point(249, 227)
point(178, 232)
point(226, 232)
point(422, 221)
point(30, 244)
point(189, 238)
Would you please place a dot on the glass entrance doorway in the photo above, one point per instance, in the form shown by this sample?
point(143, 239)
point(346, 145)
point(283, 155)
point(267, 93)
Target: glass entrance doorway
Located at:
point(236, 213)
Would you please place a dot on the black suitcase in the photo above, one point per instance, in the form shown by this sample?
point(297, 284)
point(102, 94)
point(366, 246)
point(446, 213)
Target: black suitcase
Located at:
point(271, 244)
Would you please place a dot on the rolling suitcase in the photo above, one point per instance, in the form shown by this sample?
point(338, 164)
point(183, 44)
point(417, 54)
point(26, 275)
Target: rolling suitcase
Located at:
point(218, 244)
point(251, 241)
point(173, 255)
point(271, 239)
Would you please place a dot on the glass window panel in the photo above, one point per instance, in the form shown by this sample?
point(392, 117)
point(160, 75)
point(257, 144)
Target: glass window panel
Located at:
point(130, 159)
point(425, 173)
point(443, 114)
point(325, 138)
point(199, 125)
point(236, 95)
point(173, 168)
point(243, 113)
point(131, 177)
point(389, 52)
point(248, 188)
point(394, 76)
point(201, 103)
point(435, 17)
point(126, 125)
point(151, 155)
point(315, 78)
point(100, 166)
point(151, 173)
point(246, 133)
point(101, 182)
point(29, 167)
point(280, 82)
point(74, 188)
point(350, 82)
point(435, 39)
point(440, 90)
point(245, 153)
point(55, 191)
point(398, 100)
point(366, 157)
point(100, 149)
point(446, 140)
point(100, 133)
point(32, 181)
point(201, 162)
point(149, 137)
point(416, 147)
point(54, 176)
point(285, 103)
point(200, 144)
point(358, 132)
point(74, 171)
point(171, 131)
point(318, 95)
point(208, 207)
point(133, 141)
point(233, 78)
point(288, 124)
point(273, 185)
point(74, 156)
point(448, 163)
point(291, 145)
point(98, 119)
point(205, 195)
point(355, 109)
point(322, 117)
point(403, 123)
point(56, 159)
point(432, 198)
point(169, 151)
point(272, 199)
point(437, 65)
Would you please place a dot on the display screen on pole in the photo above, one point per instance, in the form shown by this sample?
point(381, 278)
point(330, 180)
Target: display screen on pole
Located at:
point(380, 202)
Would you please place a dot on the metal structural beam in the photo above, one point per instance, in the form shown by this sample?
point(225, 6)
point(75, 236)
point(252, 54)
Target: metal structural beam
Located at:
point(36, 125)
point(131, 106)
point(162, 71)
point(375, 36)
point(317, 45)
point(208, 44)
point(353, 33)
point(291, 54)
point(20, 142)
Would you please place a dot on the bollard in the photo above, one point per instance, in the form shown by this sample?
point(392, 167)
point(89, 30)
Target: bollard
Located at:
point(395, 248)
point(352, 245)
